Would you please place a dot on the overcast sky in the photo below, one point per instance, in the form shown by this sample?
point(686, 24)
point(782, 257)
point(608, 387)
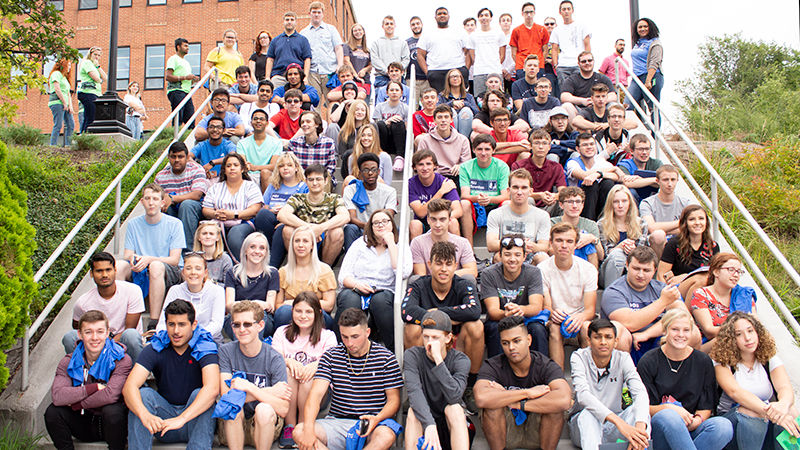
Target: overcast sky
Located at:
point(684, 24)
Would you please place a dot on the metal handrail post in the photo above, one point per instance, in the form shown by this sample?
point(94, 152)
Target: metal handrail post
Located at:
point(175, 125)
point(117, 213)
point(714, 208)
point(403, 224)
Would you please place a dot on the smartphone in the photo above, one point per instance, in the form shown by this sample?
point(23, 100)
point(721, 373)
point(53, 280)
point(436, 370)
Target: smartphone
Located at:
point(363, 427)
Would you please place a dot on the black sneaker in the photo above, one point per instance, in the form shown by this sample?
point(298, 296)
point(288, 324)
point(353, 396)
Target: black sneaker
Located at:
point(469, 402)
point(286, 440)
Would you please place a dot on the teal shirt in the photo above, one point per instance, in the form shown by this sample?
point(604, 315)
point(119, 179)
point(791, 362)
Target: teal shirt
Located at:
point(491, 181)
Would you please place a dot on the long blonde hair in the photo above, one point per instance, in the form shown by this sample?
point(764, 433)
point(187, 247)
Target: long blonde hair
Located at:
point(219, 247)
point(291, 260)
point(632, 221)
point(239, 269)
point(349, 128)
point(284, 159)
point(359, 150)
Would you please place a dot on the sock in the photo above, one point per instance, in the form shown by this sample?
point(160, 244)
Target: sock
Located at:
point(471, 379)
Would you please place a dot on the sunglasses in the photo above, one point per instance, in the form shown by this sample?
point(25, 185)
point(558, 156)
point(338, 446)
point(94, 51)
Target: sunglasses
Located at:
point(508, 243)
point(237, 325)
point(549, 24)
point(293, 100)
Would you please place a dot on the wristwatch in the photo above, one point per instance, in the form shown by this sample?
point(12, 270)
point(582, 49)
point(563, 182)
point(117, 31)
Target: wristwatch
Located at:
point(522, 404)
point(236, 215)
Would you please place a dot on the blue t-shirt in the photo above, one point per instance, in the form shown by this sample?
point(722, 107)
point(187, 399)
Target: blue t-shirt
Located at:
point(285, 50)
point(232, 120)
point(538, 115)
point(154, 240)
point(309, 90)
point(176, 375)
point(252, 90)
point(382, 96)
point(278, 197)
point(620, 294)
point(522, 89)
point(204, 152)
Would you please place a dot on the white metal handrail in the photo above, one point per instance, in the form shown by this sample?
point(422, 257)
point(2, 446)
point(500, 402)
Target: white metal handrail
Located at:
point(399, 292)
point(717, 182)
point(114, 222)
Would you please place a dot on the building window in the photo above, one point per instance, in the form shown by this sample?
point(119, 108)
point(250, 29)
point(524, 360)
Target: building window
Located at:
point(87, 4)
point(194, 57)
point(125, 3)
point(228, 1)
point(123, 67)
point(83, 52)
point(154, 67)
point(58, 4)
point(156, 2)
point(192, 1)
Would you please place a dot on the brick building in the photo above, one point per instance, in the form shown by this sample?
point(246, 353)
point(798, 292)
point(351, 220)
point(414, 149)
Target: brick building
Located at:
point(147, 30)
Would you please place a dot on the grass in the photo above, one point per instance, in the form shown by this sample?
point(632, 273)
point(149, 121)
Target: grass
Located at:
point(12, 438)
point(765, 182)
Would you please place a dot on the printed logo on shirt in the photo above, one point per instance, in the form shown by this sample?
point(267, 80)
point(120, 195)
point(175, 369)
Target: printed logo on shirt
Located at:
point(510, 295)
point(279, 197)
point(483, 186)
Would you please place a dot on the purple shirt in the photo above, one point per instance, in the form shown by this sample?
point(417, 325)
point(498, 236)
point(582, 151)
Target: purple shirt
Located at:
point(419, 192)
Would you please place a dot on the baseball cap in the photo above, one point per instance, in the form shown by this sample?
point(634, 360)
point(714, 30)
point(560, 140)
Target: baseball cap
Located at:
point(558, 111)
point(437, 320)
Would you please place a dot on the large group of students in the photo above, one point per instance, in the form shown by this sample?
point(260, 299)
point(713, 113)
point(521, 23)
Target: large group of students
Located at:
point(249, 335)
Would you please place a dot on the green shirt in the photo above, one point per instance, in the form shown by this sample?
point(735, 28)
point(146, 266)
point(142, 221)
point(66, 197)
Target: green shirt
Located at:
point(58, 78)
point(86, 83)
point(318, 213)
point(259, 155)
point(180, 68)
point(491, 181)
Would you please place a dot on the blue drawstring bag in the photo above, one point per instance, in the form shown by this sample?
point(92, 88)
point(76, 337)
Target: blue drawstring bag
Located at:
point(360, 198)
point(742, 298)
point(564, 331)
point(519, 416)
point(231, 402)
point(355, 442)
point(480, 215)
point(333, 81)
point(101, 369)
point(202, 343)
point(542, 317)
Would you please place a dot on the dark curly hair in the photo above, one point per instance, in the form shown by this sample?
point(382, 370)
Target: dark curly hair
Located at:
point(727, 353)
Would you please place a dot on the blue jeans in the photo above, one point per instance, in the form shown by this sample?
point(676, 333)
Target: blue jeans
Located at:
point(134, 124)
point(189, 213)
point(269, 326)
point(637, 95)
point(752, 432)
point(265, 222)
point(462, 119)
point(670, 432)
point(61, 117)
point(351, 233)
point(537, 330)
point(87, 100)
point(283, 316)
point(381, 312)
point(198, 433)
point(235, 236)
point(130, 338)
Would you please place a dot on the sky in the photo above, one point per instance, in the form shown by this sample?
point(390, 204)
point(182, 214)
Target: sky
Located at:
point(684, 24)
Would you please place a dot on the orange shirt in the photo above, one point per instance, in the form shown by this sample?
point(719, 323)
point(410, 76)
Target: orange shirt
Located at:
point(529, 42)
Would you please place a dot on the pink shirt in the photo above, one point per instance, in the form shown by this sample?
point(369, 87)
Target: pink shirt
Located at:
point(127, 300)
point(301, 349)
point(608, 68)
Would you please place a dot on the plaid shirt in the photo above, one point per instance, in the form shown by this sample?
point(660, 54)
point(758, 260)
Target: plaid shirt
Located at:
point(322, 152)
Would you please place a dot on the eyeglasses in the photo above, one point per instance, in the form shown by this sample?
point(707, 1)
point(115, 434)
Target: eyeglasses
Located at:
point(528, 12)
point(293, 100)
point(371, 170)
point(575, 201)
point(246, 325)
point(381, 222)
point(508, 243)
point(734, 271)
point(586, 61)
point(501, 119)
point(258, 118)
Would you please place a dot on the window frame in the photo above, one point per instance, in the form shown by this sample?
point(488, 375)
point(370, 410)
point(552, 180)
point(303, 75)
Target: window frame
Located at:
point(128, 78)
point(161, 66)
point(81, 8)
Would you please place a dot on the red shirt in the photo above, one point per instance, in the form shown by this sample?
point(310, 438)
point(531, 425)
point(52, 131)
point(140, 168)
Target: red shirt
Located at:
point(511, 136)
point(544, 178)
point(423, 123)
point(529, 42)
point(285, 127)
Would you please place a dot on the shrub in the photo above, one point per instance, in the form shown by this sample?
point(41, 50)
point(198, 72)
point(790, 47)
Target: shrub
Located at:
point(87, 142)
point(17, 245)
point(13, 438)
point(21, 134)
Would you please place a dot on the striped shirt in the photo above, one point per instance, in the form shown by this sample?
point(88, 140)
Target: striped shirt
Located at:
point(357, 392)
point(322, 152)
point(193, 178)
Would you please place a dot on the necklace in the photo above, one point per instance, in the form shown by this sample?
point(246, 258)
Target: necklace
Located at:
point(350, 364)
point(669, 363)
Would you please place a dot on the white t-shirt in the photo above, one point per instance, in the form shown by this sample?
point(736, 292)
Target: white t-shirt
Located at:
point(508, 64)
point(574, 163)
point(567, 287)
point(247, 109)
point(487, 51)
point(444, 47)
point(133, 101)
point(570, 42)
point(534, 224)
point(126, 300)
point(755, 380)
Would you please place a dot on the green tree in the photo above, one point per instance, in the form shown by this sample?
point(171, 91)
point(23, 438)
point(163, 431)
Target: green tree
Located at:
point(30, 31)
point(743, 89)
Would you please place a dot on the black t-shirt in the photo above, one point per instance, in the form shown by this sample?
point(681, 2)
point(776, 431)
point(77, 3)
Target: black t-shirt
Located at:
point(694, 384)
point(484, 117)
point(460, 303)
point(176, 375)
point(257, 287)
point(543, 370)
point(700, 257)
point(261, 65)
point(578, 86)
point(589, 114)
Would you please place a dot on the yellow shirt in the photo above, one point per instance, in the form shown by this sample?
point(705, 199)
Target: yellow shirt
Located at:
point(326, 282)
point(226, 63)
